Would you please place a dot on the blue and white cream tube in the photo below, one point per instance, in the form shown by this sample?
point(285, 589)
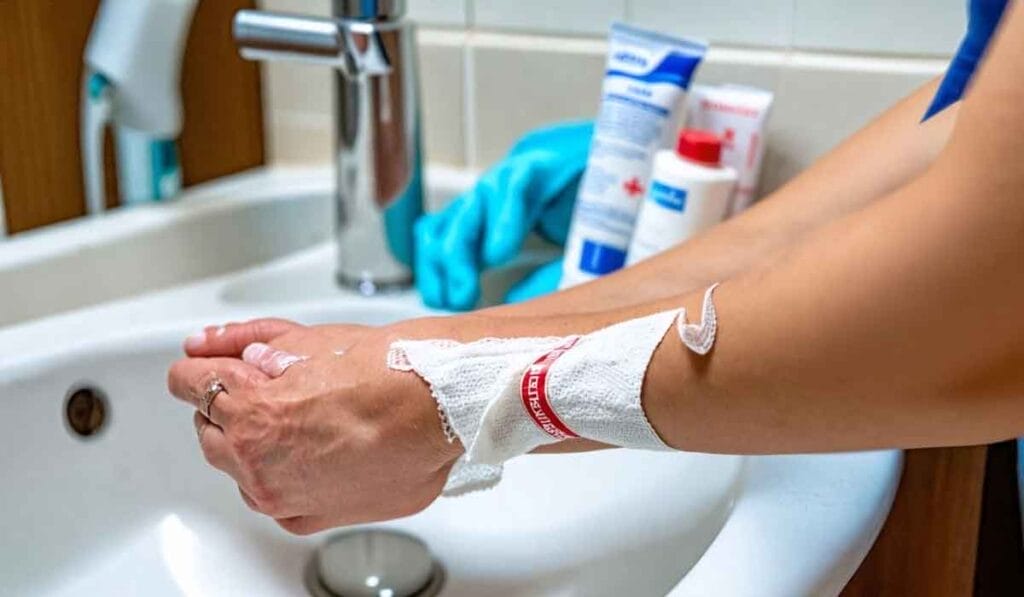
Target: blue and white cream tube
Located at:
point(642, 101)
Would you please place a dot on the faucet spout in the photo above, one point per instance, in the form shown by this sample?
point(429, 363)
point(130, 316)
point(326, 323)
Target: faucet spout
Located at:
point(353, 47)
point(379, 194)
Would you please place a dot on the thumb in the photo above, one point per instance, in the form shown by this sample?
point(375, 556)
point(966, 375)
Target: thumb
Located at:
point(269, 360)
point(231, 339)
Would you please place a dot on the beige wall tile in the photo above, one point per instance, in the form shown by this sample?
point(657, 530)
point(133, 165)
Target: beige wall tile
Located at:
point(817, 107)
point(299, 99)
point(575, 17)
point(443, 103)
point(298, 87)
point(742, 22)
point(438, 13)
point(299, 138)
point(758, 69)
point(517, 90)
point(880, 26)
point(312, 7)
point(297, 103)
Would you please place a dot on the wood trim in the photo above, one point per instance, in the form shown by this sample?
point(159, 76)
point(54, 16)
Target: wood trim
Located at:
point(928, 545)
point(223, 106)
point(1000, 563)
point(41, 64)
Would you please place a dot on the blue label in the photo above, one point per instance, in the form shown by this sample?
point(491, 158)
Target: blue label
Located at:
point(601, 259)
point(668, 197)
point(675, 69)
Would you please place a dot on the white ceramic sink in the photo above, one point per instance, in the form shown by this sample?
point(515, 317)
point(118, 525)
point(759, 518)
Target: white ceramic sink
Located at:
point(135, 511)
point(211, 230)
point(222, 226)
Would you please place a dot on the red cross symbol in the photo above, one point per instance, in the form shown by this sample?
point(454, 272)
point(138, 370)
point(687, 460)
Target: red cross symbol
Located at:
point(633, 187)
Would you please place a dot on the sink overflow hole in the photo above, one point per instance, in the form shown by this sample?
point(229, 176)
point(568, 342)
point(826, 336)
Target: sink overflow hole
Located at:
point(85, 411)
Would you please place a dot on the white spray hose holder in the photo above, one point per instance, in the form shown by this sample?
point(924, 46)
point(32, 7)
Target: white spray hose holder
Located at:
point(96, 109)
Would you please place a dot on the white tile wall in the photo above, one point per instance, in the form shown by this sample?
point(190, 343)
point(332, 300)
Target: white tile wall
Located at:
point(756, 68)
point(742, 22)
point(441, 13)
point(297, 103)
point(819, 103)
point(442, 78)
point(444, 13)
point(880, 26)
point(516, 90)
point(563, 16)
point(312, 7)
point(493, 69)
point(299, 138)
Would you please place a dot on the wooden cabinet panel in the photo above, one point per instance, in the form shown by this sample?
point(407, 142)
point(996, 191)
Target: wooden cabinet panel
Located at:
point(928, 545)
point(41, 49)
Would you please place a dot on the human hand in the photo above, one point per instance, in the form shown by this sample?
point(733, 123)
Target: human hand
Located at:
point(314, 427)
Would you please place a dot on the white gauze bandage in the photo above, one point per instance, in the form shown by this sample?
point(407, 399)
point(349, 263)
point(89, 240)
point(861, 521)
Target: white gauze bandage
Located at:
point(504, 397)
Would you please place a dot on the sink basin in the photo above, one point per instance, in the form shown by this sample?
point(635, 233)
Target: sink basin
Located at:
point(133, 509)
point(219, 227)
point(215, 229)
point(308, 275)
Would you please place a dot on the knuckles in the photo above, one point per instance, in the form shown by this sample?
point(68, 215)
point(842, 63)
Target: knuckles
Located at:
point(255, 439)
point(248, 379)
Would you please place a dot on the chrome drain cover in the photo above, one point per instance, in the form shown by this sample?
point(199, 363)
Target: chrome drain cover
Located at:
point(373, 563)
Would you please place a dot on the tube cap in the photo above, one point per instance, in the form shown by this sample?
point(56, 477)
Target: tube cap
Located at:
point(703, 147)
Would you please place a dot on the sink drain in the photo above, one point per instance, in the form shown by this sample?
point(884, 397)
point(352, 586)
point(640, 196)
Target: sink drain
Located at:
point(85, 411)
point(373, 563)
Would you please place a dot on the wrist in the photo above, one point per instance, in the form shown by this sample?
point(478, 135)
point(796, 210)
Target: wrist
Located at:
point(533, 382)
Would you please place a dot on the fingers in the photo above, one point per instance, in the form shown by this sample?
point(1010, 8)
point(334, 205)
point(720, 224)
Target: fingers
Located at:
point(541, 281)
point(303, 525)
point(189, 380)
point(512, 207)
point(248, 500)
point(231, 339)
point(429, 268)
point(461, 264)
point(269, 360)
point(215, 446)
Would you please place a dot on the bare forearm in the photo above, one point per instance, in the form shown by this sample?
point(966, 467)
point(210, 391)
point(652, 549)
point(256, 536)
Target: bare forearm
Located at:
point(861, 339)
point(897, 326)
point(887, 153)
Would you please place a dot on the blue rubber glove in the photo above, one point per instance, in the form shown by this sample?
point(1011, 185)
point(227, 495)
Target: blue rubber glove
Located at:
point(532, 189)
point(539, 282)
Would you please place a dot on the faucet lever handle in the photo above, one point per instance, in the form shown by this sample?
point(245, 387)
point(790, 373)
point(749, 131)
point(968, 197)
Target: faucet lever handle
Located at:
point(365, 53)
point(353, 47)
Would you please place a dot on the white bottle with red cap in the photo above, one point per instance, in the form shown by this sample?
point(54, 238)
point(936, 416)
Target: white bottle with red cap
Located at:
point(689, 191)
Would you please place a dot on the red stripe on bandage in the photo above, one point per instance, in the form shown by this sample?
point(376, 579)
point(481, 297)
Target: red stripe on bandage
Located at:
point(534, 392)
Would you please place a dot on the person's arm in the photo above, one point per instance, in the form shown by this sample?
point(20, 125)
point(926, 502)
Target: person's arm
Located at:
point(893, 149)
point(901, 325)
point(898, 326)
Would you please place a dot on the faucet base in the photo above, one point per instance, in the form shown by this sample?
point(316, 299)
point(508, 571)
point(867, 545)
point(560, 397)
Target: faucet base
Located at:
point(367, 286)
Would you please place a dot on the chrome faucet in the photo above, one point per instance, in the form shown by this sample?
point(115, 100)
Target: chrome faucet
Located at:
point(371, 47)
